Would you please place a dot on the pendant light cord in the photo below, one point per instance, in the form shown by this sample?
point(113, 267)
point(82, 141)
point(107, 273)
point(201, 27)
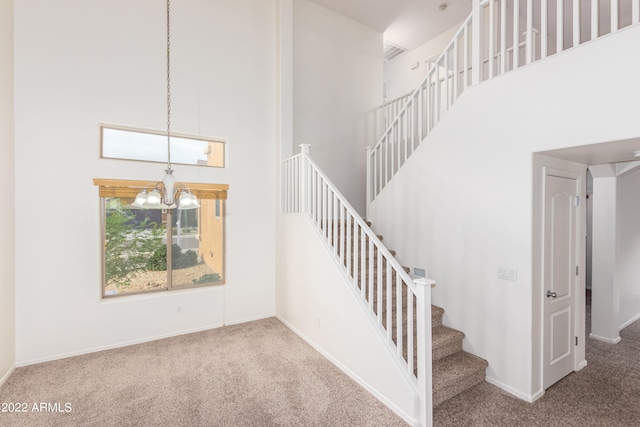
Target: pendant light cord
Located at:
point(168, 89)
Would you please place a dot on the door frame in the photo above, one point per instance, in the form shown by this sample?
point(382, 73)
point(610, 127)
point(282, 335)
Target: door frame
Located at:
point(543, 166)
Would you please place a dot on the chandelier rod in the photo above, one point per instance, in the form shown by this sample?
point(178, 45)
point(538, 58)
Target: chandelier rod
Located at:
point(164, 193)
point(168, 89)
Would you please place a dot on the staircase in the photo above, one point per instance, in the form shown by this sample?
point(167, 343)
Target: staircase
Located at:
point(454, 370)
point(498, 37)
point(397, 304)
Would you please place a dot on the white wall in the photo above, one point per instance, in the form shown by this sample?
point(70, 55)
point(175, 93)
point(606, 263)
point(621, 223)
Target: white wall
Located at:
point(78, 64)
point(337, 83)
point(336, 68)
point(616, 248)
point(316, 301)
point(605, 296)
point(399, 76)
point(466, 194)
point(7, 194)
point(285, 145)
point(628, 267)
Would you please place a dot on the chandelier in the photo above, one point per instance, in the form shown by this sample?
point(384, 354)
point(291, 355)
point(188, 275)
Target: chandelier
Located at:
point(164, 193)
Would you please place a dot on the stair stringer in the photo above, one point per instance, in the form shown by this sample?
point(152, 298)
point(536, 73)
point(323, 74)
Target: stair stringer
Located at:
point(310, 283)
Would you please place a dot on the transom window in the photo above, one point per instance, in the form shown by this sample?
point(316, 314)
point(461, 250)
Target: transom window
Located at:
point(151, 146)
point(147, 250)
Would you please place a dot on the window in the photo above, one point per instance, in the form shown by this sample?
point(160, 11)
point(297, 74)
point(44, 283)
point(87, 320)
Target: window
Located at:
point(136, 255)
point(151, 146)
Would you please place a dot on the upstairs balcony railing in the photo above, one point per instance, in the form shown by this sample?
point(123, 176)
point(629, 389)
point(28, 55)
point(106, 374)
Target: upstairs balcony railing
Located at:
point(498, 37)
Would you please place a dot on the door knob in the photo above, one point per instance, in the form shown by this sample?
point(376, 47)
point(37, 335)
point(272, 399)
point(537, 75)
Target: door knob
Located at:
point(551, 294)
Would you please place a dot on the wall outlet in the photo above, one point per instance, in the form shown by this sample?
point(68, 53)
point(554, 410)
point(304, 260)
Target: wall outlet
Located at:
point(179, 309)
point(317, 320)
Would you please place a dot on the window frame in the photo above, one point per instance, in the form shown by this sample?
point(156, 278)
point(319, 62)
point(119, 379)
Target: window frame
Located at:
point(130, 129)
point(110, 188)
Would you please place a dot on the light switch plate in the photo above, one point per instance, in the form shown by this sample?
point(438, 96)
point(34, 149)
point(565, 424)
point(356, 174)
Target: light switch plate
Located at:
point(508, 273)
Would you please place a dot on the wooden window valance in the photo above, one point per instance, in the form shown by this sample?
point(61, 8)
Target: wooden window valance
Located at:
point(131, 188)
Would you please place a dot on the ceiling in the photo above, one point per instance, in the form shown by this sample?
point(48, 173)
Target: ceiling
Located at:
point(406, 23)
point(595, 154)
point(411, 23)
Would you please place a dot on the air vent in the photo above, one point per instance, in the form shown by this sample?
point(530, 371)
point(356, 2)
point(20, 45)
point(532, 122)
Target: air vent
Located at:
point(391, 50)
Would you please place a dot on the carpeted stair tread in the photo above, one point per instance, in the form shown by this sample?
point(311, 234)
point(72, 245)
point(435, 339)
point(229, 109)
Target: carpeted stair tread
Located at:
point(352, 252)
point(454, 370)
point(445, 342)
point(384, 268)
point(436, 316)
point(456, 373)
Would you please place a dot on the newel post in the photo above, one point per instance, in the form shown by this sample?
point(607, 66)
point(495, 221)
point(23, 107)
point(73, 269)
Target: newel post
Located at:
point(368, 177)
point(304, 173)
point(425, 359)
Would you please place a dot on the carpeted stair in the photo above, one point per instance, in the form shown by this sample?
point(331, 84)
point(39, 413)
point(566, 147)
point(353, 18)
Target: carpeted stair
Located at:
point(454, 370)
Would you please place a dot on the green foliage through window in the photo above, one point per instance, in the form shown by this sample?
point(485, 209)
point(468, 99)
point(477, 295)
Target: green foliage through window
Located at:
point(128, 244)
point(136, 242)
point(158, 260)
point(207, 278)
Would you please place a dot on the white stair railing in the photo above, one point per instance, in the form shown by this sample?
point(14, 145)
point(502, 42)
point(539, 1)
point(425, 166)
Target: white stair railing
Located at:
point(398, 306)
point(519, 32)
point(389, 111)
point(498, 37)
point(442, 85)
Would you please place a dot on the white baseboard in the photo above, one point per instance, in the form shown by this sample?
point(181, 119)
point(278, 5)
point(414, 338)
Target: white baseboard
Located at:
point(526, 397)
point(536, 396)
point(516, 393)
point(137, 341)
point(410, 420)
point(7, 375)
point(627, 323)
point(249, 319)
point(607, 340)
point(112, 346)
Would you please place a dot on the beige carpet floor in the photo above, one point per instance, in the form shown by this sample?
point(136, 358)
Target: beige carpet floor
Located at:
point(255, 374)
point(606, 393)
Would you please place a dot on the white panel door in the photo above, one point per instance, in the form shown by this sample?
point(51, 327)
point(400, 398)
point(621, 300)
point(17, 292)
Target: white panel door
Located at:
point(561, 225)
